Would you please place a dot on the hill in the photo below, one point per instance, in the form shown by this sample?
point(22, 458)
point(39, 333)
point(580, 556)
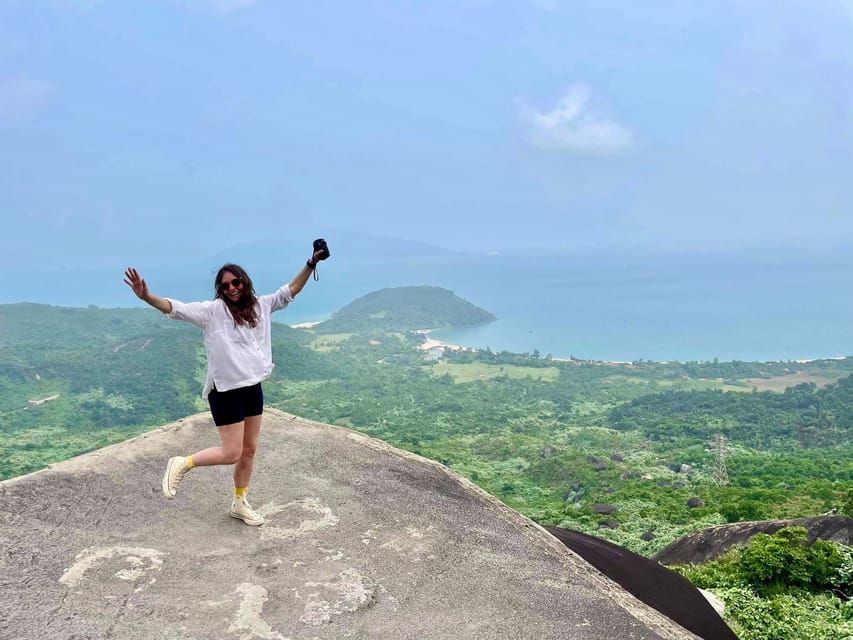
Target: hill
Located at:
point(405, 309)
point(362, 540)
point(75, 379)
point(616, 451)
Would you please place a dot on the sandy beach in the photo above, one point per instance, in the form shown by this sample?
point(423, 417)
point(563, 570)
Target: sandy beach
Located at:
point(431, 343)
point(304, 325)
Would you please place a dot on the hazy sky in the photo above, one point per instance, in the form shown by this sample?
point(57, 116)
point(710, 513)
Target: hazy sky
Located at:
point(176, 127)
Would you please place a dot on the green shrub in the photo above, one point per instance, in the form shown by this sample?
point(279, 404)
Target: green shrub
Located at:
point(847, 507)
point(843, 578)
point(724, 572)
point(787, 616)
point(778, 588)
point(783, 561)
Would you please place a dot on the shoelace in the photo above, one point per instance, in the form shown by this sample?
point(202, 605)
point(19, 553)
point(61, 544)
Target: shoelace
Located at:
point(251, 512)
point(173, 484)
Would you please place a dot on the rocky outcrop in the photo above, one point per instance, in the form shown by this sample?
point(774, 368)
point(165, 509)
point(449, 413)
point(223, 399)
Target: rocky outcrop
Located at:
point(659, 587)
point(362, 540)
point(707, 544)
point(603, 509)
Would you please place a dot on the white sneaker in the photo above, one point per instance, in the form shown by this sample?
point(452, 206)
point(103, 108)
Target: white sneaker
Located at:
point(176, 469)
point(242, 510)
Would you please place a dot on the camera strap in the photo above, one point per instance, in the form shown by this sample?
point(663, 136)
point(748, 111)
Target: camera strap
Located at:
point(313, 267)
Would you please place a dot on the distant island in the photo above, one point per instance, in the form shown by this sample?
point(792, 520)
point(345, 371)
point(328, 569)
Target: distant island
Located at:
point(405, 309)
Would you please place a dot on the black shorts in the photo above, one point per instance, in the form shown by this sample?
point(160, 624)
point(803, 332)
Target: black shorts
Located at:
point(229, 407)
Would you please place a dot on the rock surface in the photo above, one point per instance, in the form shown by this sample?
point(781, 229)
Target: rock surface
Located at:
point(707, 544)
point(362, 541)
point(654, 584)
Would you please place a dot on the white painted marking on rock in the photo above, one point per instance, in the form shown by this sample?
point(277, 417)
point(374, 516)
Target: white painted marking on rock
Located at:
point(249, 622)
point(310, 505)
point(354, 591)
point(141, 559)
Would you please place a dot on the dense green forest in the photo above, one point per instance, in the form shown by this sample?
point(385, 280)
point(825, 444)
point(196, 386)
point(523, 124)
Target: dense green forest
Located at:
point(801, 416)
point(405, 308)
point(623, 451)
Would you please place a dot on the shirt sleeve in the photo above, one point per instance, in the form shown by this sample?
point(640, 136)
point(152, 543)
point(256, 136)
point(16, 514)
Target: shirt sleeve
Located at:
point(280, 299)
point(197, 313)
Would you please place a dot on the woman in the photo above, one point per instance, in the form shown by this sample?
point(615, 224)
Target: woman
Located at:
point(236, 325)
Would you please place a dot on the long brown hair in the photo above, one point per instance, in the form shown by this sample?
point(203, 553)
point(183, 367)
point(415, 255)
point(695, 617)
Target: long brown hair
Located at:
point(243, 309)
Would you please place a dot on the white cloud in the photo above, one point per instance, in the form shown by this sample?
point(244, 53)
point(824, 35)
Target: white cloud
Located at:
point(20, 96)
point(573, 125)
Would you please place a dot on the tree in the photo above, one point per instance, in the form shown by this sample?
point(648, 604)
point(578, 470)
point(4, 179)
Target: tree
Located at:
point(847, 507)
point(773, 563)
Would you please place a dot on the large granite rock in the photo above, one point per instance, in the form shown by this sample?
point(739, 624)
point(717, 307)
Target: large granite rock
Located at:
point(362, 541)
point(701, 546)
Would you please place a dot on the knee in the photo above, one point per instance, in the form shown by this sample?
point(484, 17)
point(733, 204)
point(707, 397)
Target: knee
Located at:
point(231, 456)
point(248, 452)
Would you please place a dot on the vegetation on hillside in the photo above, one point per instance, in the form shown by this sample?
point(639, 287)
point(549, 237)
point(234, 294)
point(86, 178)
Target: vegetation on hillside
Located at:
point(801, 416)
point(73, 380)
point(780, 587)
point(405, 309)
point(620, 451)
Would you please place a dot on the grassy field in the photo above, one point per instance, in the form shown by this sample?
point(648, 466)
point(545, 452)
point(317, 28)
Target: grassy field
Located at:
point(330, 341)
point(774, 383)
point(780, 383)
point(481, 371)
point(685, 384)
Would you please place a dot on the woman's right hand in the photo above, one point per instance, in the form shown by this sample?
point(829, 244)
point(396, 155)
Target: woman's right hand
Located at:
point(133, 280)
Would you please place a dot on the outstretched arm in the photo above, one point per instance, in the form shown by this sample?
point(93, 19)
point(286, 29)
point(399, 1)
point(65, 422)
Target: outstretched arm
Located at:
point(299, 280)
point(133, 280)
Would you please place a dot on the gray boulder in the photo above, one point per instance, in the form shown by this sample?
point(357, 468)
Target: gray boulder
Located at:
point(362, 540)
point(701, 546)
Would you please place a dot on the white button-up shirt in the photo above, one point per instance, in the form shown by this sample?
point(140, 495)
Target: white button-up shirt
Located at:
point(237, 356)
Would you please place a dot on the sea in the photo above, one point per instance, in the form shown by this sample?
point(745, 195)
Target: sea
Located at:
point(684, 307)
point(678, 306)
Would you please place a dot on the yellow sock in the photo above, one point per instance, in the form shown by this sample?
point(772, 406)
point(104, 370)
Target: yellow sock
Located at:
point(240, 492)
point(190, 462)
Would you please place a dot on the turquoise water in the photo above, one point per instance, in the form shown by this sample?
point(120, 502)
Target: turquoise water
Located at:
point(781, 306)
point(685, 307)
point(673, 310)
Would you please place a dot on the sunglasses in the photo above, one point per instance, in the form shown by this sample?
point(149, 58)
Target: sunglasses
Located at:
point(236, 283)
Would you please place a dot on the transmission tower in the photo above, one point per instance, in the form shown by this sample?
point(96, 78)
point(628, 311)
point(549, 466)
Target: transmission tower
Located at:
point(718, 446)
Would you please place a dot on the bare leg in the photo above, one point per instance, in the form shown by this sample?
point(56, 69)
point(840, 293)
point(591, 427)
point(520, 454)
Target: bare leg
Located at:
point(231, 449)
point(246, 463)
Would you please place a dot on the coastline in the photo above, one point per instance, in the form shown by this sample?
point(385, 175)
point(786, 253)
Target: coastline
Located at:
point(304, 325)
point(431, 343)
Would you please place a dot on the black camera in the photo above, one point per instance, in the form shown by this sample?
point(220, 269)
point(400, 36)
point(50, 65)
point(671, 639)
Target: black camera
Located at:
point(321, 246)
